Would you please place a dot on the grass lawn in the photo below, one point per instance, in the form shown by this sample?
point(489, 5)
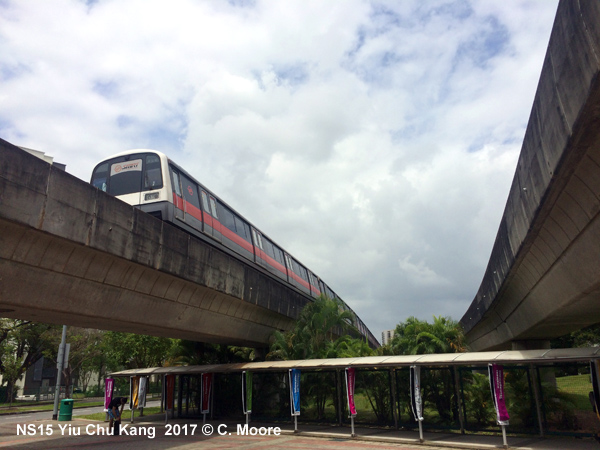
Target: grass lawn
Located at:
point(126, 414)
point(23, 407)
point(577, 389)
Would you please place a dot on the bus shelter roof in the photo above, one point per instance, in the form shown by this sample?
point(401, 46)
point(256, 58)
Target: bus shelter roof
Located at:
point(548, 356)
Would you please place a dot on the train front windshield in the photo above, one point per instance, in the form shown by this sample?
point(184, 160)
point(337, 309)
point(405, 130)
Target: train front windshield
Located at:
point(128, 174)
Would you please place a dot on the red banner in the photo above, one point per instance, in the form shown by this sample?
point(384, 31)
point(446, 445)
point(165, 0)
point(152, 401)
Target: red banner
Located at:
point(206, 387)
point(350, 383)
point(170, 391)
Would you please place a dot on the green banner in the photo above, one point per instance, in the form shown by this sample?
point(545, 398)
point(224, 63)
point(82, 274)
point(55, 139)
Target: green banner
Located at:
point(247, 392)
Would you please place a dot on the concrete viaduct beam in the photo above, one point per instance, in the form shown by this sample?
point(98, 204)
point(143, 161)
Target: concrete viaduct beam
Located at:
point(71, 254)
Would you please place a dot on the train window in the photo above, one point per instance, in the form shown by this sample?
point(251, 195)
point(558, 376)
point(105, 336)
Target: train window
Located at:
point(226, 217)
point(205, 201)
point(100, 177)
point(125, 177)
point(278, 254)
point(242, 228)
point(268, 247)
point(176, 183)
point(213, 207)
point(190, 191)
point(300, 270)
point(152, 173)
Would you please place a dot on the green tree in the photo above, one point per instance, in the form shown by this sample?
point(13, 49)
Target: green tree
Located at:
point(85, 351)
point(184, 352)
point(132, 351)
point(586, 337)
point(418, 337)
point(21, 344)
point(443, 335)
point(320, 331)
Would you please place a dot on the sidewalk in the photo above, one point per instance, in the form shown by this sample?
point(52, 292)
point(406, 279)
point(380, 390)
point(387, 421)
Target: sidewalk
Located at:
point(151, 432)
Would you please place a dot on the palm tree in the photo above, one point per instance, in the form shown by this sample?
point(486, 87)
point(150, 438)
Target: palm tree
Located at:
point(417, 337)
point(322, 327)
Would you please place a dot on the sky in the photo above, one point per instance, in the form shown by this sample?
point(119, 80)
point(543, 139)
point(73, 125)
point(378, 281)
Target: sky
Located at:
point(375, 141)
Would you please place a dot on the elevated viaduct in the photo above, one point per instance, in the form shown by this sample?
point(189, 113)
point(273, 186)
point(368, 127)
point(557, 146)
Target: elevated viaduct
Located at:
point(543, 277)
point(71, 254)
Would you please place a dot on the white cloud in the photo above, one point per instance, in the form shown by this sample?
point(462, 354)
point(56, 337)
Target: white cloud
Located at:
point(375, 141)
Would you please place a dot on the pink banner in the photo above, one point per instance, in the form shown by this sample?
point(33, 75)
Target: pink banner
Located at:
point(206, 387)
point(350, 382)
point(109, 386)
point(496, 373)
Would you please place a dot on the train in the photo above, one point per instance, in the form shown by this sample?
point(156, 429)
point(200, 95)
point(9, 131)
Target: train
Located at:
point(149, 180)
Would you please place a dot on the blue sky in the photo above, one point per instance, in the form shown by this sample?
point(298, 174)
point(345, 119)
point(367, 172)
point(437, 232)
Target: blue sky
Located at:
point(374, 140)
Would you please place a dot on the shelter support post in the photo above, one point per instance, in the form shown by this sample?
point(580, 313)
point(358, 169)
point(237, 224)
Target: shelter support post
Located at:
point(536, 395)
point(338, 390)
point(394, 398)
point(459, 403)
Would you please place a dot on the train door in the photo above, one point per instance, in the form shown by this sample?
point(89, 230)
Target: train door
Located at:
point(177, 195)
point(259, 254)
point(290, 269)
point(217, 232)
point(191, 203)
point(211, 224)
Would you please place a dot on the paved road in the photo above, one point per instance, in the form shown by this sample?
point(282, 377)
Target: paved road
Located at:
point(79, 434)
point(25, 432)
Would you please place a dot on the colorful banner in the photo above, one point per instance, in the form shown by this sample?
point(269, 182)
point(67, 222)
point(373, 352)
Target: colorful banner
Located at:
point(496, 374)
point(206, 380)
point(295, 391)
point(109, 387)
point(170, 391)
point(595, 372)
point(143, 387)
point(247, 392)
point(416, 401)
point(134, 383)
point(350, 384)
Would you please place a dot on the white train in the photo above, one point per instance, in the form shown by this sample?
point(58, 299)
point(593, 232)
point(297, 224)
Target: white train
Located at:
point(149, 180)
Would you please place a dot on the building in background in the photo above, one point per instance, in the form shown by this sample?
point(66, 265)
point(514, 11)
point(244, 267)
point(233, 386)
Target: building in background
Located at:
point(42, 155)
point(386, 337)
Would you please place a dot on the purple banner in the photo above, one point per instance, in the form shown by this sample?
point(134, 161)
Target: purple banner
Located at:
point(109, 386)
point(496, 373)
point(350, 382)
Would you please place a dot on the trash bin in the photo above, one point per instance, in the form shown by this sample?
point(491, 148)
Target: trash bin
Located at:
point(66, 410)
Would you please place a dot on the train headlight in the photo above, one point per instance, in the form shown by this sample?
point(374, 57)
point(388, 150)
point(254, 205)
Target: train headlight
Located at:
point(152, 196)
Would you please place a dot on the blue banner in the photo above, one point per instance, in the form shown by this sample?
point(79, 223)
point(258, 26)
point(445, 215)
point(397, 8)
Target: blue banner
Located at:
point(295, 391)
